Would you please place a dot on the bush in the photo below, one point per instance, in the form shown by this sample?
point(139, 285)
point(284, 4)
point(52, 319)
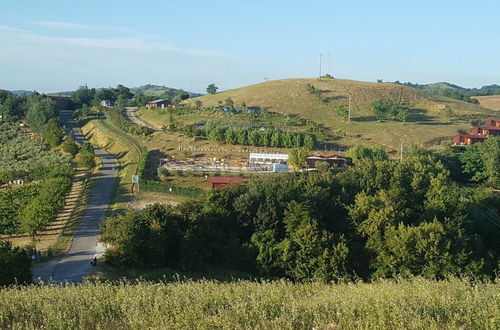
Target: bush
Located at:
point(15, 265)
point(70, 146)
point(86, 160)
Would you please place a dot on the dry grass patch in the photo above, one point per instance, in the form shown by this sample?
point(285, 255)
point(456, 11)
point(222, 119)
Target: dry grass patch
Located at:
point(491, 102)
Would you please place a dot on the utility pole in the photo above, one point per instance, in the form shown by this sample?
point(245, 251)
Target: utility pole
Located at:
point(329, 64)
point(320, 56)
point(401, 152)
point(349, 114)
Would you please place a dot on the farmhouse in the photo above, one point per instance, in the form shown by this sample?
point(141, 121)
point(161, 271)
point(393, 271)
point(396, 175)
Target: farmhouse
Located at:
point(479, 133)
point(222, 181)
point(159, 103)
point(467, 139)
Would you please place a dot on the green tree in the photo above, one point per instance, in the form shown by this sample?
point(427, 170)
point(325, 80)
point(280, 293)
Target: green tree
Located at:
point(70, 146)
point(52, 133)
point(342, 112)
point(309, 142)
point(297, 157)
point(359, 152)
point(276, 139)
point(198, 104)
point(15, 265)
point(212, 89)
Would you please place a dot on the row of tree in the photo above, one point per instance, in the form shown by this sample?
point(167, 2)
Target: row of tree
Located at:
point(377, 219)
point(268, 137)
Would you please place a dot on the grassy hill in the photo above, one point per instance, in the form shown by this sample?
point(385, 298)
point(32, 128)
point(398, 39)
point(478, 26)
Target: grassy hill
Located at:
point(433, 117)
point(155, 90)
point(490, 102)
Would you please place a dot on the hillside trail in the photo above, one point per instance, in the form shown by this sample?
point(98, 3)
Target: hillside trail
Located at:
point(75, 264)
point(130, 114)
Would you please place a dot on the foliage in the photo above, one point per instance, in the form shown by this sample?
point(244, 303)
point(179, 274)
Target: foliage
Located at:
point(43, 209)
point(269, 137)
point(117, 116)
point(360, 152)
point(23, 158)
point(482, 161)
point(378, 219)
point(148, 238)
point(212, 89)
point(388, 109)
point(12, 203)
point(70, 146)
point(15, 267)
point(297, 157)
point(343, 112)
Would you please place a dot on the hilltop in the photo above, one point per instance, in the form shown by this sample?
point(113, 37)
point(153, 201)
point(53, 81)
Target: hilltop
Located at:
point(156, 90)
point(434, 117)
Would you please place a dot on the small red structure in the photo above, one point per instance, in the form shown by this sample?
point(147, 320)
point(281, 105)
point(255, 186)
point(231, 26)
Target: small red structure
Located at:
point(223, 181)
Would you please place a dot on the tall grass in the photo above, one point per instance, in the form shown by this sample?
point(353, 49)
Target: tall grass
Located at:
point(416, 303)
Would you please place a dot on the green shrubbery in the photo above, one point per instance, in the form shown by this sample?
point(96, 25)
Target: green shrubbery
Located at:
point(35, 204)
point(117, 116)
point(378, 219)
point(388, 109)
point(15, 265)
point(268, 137)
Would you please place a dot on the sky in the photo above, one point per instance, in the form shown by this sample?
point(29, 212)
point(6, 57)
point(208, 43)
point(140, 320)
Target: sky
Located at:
point(52, 45)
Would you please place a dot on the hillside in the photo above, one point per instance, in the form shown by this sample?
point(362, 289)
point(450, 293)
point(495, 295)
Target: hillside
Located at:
point(155, 90)
point(433, 117)
point(490, 102)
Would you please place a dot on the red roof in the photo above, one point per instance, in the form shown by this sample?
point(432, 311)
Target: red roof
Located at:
point(473, 136)
point(224, 179)
point(491, 128)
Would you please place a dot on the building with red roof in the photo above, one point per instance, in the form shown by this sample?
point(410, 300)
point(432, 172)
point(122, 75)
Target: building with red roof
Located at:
point(222, 181)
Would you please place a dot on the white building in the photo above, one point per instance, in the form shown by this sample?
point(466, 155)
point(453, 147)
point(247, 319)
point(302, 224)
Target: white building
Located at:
point(267, 159)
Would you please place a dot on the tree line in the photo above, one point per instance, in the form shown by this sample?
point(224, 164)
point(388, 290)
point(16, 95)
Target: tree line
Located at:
point(378, 219)
point(268, 137)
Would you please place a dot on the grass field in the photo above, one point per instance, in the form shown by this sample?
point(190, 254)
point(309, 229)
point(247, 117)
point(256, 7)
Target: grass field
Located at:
point(434, 117)
point(404, 304)
point(491, 102)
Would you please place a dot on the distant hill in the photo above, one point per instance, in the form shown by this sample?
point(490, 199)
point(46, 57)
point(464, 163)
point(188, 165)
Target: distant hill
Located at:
point(156, 90)
point(434, 116)
point(445, 87)
point(21, 92)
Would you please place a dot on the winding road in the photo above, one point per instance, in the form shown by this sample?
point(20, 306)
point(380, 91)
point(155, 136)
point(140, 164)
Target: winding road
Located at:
point(74, 265)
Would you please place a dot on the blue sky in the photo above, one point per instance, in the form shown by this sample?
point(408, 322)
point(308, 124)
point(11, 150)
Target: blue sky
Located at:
point(58, 45)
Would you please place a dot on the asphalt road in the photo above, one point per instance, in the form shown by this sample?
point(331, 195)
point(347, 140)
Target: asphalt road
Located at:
point(73, 266)
point(130, 112)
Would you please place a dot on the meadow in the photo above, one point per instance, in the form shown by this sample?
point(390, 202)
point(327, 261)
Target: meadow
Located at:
point(413, 303)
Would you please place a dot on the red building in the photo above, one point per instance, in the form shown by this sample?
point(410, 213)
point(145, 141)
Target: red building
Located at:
point(222, 181)
point(467, 139)
point(479, 133)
